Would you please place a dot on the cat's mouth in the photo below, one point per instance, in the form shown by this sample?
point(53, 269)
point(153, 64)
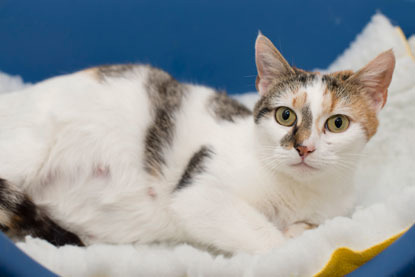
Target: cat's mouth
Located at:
point(303, 164)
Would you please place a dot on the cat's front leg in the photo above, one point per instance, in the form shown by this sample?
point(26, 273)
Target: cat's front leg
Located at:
point(215, 217)
point(298, 228)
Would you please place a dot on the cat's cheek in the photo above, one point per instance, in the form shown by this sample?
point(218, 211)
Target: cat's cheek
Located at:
point(292, 157)
point(270, 132)
point(351, 141)
point(339, 150)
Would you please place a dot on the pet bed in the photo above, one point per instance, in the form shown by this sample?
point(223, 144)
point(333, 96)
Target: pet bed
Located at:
point(385, 207)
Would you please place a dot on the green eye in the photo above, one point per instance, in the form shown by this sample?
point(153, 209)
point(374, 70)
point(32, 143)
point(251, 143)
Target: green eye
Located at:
point(337, 123)
point(285, 116)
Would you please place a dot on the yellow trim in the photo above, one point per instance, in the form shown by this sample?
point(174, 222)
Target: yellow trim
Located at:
point(405, 42)
point(344, 260)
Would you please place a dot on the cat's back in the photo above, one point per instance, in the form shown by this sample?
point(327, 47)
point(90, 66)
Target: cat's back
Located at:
point(124, 87)
point(107, 96)
point(75, 119)
point(82, 91)
point(117, 114)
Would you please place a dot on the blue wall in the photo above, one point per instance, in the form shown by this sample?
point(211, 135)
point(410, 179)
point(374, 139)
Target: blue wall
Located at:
point(209, 41)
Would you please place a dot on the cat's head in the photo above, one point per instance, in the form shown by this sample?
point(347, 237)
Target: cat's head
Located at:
point(313, 124)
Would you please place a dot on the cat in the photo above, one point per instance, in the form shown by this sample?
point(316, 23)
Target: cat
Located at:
point(127, 154)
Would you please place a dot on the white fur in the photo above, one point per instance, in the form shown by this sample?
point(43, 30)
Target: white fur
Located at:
point(385, 183)
point(76, 145)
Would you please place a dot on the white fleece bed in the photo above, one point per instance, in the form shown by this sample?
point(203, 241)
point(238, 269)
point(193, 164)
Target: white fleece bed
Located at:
point(386, 194)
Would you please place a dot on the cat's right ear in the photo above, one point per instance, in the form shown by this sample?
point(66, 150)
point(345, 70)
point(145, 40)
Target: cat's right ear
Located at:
point(270, 64)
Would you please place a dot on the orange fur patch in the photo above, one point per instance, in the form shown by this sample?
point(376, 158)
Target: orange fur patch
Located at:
point(92, 71)
point(363, 114)
point(302, 135)
point(342, 75)
point(300, 100)
point(357, 102)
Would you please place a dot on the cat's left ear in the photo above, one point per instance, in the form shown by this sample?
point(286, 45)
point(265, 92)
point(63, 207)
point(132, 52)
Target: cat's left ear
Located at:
point(270, 64)
point(376, 77)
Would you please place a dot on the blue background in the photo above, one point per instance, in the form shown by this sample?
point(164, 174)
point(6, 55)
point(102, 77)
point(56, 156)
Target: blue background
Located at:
point(209, 41)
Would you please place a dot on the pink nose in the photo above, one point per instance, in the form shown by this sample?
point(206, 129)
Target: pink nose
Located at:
point(304, 151)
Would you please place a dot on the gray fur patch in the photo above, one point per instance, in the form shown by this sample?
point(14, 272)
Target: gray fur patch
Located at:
point(292, 82)
point(307, 117)
point(341, 89)
point(225, 108)
point(262, 108)
point(166, 96)
point(195, 166)
point(288, 140)
point(261, 114)
point(159, 135)
point(299, 132)
point(304, 130)
point(8, 197)
point(331, 82)
point(25, 218)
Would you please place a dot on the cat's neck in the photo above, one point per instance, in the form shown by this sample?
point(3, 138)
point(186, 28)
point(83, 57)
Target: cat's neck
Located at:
point(320, 197)
point(334, 182)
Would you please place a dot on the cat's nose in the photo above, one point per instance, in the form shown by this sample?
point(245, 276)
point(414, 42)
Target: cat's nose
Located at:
point(304, 151)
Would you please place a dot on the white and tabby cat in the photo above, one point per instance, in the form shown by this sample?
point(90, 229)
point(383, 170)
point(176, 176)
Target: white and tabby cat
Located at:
point(126, 154)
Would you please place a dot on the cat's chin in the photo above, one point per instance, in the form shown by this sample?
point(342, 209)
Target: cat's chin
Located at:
point(303, 166)
point(302, 171)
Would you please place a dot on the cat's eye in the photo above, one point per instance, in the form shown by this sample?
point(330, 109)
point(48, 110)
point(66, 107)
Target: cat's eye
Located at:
point(285, 116)
point(337, 123)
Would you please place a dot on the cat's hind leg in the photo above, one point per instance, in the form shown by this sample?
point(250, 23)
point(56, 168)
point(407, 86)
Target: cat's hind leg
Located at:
point(19, 217)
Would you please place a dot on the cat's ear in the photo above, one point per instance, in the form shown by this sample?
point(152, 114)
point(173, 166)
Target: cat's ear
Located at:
point(376, 77)
point(270, 64)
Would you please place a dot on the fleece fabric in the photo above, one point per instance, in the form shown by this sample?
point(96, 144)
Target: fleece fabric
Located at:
point(385, 191)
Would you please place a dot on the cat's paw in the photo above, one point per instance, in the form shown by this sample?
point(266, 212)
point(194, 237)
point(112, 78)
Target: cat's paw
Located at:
point(272, 241)
point(297, 229)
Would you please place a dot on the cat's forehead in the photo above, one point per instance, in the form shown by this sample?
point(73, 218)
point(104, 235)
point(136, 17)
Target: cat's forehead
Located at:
point(320, 94)
point(317, 93)
point(311, 95)
point(314, 97)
